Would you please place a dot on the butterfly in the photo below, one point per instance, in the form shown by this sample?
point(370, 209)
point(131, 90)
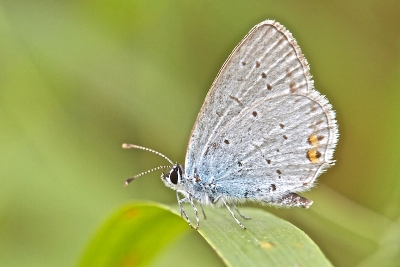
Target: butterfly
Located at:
point(263, 134)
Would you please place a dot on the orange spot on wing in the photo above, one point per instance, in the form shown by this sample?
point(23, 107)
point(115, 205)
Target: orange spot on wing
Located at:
point(313, 155)
point(313, 140)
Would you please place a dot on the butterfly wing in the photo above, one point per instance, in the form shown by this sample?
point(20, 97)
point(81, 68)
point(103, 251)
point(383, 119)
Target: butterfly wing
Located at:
point(262, 128)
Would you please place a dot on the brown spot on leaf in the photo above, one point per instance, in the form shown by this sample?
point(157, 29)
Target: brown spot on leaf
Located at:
point(131, 213)
point(267, 245)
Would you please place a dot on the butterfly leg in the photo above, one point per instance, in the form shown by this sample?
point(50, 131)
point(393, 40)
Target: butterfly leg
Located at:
point(204, 214)
point(180, 205)
point(195, 212)
point(241, 215)
point(233, 215)
point(180, 201)
point(188, 199)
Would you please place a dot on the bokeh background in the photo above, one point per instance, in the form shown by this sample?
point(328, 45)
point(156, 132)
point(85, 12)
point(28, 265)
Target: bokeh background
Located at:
point(79, 78)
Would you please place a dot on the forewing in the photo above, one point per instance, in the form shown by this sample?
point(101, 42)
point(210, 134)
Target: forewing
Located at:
point(238, 129)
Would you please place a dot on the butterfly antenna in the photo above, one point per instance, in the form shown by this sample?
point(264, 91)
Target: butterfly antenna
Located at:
point(143, 173)
point(127, 146)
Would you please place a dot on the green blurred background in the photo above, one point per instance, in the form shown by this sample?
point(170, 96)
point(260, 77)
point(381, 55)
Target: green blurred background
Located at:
point(79, 78)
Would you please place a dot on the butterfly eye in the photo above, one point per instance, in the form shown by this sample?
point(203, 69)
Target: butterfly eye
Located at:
point(175, 175)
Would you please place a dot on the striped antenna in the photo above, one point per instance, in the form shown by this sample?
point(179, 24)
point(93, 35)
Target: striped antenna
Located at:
point(128, 146)
point(143, 173)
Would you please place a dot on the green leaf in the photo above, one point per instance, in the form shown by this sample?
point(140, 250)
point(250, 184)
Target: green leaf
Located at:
point(134, 235)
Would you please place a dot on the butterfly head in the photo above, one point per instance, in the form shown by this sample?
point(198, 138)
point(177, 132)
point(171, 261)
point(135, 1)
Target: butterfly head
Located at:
point(174, 178)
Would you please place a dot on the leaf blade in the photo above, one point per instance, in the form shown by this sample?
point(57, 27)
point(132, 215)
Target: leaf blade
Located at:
point(268, 239)
point(136, 233)
point(133, 236)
